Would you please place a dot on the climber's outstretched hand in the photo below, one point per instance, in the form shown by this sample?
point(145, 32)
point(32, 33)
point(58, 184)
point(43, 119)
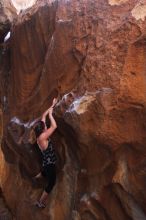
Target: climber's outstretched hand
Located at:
point(54, 102)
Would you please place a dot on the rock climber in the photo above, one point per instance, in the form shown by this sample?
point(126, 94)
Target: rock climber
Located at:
point(48, 153)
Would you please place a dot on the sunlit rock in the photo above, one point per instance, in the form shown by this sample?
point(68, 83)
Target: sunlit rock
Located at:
point(22, 4)
point(117, 2)
point(139, 11)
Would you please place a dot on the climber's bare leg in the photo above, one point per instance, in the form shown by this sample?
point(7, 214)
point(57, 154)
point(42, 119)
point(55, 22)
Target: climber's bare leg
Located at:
point(41, 203)
point(44, 197)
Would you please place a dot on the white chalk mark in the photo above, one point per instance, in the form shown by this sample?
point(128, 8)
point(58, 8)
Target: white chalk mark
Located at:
point(7, 36)
point(26, 125)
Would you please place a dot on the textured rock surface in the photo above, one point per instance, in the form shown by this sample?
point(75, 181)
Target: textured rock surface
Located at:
point(92, 55)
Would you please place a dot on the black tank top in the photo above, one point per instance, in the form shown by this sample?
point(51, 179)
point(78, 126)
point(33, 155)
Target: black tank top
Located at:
point(49, 156)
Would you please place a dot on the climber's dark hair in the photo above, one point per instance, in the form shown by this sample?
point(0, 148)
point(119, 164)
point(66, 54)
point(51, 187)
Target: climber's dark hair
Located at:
point(39, 127)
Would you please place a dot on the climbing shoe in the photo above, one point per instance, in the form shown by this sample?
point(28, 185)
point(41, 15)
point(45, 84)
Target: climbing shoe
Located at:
point(40, 204)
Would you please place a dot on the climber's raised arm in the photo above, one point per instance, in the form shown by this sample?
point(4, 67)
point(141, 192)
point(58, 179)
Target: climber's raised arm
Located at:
point(47, 111)
point(47, 133)
point(44, 116)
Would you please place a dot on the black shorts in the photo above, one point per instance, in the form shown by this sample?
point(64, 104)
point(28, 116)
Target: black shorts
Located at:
point(49, 172)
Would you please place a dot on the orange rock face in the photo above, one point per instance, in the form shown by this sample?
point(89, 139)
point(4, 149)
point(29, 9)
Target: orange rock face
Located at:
point(91, 54)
